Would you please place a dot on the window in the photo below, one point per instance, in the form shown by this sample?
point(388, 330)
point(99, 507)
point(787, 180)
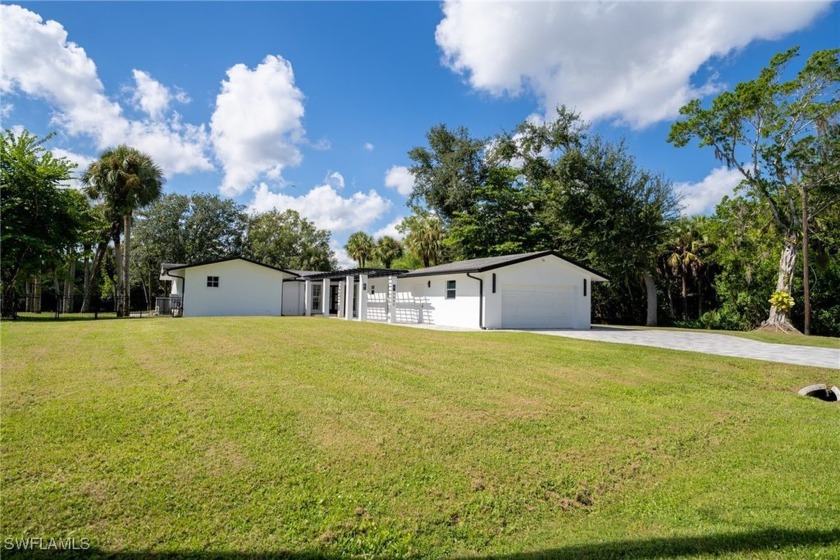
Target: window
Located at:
point(316, 297)
point(494, 283)
point(584, 287)
point(450, 289)
point(212, 281)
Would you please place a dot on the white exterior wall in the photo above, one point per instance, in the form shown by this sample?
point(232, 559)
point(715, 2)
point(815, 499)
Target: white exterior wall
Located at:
point(423, 300)
point(293, 298)
point(545, 272)
point(244, 289)
point(377, 301)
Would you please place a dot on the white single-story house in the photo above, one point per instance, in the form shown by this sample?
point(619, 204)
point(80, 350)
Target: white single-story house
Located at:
point(234, 286)
point(539, 290)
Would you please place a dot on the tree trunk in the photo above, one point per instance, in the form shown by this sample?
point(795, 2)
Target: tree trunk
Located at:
point(90, 277)
point(36, 294)
point(126, 280)
point(59, 301)
point(118, 262)
point(9, 308)
point(86, 279)
point(806, 283)
point(778, 320)
point(650, 289)
point(684, 295)
point(672, 313)
point(69, 285)
point(700, 296)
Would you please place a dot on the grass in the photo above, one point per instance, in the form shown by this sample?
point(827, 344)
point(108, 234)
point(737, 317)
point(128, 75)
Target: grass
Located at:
point(322, 438)
point(782, 338)
point(771, 337)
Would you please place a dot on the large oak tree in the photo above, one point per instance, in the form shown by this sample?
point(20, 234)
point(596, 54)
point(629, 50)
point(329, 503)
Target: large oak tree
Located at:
point(771, 130)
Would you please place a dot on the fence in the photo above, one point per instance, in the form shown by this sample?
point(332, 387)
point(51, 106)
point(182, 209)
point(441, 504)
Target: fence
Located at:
point(47, 305)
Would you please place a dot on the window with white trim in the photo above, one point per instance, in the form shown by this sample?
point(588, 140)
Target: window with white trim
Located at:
point(212, 281)
point(450, 289)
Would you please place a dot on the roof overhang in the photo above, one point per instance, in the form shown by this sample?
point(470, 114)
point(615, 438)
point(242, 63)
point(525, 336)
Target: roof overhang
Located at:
point(167, 267)
point(354, 272)
point(593, 275)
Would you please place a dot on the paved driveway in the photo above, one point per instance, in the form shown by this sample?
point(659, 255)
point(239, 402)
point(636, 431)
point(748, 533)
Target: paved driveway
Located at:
point(709, 343)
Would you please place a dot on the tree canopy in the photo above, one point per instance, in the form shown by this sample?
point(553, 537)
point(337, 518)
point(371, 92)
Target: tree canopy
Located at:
point(360, 247)
point(448, 171)
point(777, 133)
point(287, 240)
point(387, 250)
point(40, 220)
point(124, 179)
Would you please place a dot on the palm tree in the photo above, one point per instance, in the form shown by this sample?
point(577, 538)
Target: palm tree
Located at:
point(423, 235)
point(685, 259)
point(125, 179)
point(360, 247)
point(388, 250)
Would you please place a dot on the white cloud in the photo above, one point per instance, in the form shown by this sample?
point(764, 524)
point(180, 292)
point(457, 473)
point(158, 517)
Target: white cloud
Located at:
point(627, 60)
point(368, 146)
point(703, 197)
point(335, 180)
point(39, 62)
point(325, 206)
point(82, 162)
point(152, 97)
point(400, 178)
point(79, 159)
point(390, 229)
point(256, 127)
point(321, 145)
point(344, 260)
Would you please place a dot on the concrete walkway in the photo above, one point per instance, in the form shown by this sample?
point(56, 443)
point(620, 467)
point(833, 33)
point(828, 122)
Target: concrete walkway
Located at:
point(709, 343)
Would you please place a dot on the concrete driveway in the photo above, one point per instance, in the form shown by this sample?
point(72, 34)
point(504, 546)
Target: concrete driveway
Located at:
point(709, 343)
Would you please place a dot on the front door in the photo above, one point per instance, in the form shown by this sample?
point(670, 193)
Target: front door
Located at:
point(333, 300)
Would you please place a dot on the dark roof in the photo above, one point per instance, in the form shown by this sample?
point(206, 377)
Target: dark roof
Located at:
point(371, 272)
point(170, 266)
point(491, 263)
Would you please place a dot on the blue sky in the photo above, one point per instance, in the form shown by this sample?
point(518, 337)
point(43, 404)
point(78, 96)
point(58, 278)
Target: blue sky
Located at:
point(314, 106)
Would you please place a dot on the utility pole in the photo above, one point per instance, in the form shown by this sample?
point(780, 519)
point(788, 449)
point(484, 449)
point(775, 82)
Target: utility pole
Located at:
point(805, 267)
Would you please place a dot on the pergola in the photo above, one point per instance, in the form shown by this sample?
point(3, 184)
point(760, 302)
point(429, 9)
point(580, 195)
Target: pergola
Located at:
point(349, 280)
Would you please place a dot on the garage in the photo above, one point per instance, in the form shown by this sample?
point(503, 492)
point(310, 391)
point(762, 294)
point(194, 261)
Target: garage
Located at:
point(538, 307)
point(539, 290)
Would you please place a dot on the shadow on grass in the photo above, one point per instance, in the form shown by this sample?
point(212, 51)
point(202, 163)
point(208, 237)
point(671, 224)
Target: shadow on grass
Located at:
point(47, 317)
point(673, 547)
point(51, 318)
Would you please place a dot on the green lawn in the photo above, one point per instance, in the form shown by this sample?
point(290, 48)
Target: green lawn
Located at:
point(328, 438)
point(782, 338)
point(773, 338)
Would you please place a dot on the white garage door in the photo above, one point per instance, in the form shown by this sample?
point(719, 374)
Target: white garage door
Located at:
point(538, 307)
